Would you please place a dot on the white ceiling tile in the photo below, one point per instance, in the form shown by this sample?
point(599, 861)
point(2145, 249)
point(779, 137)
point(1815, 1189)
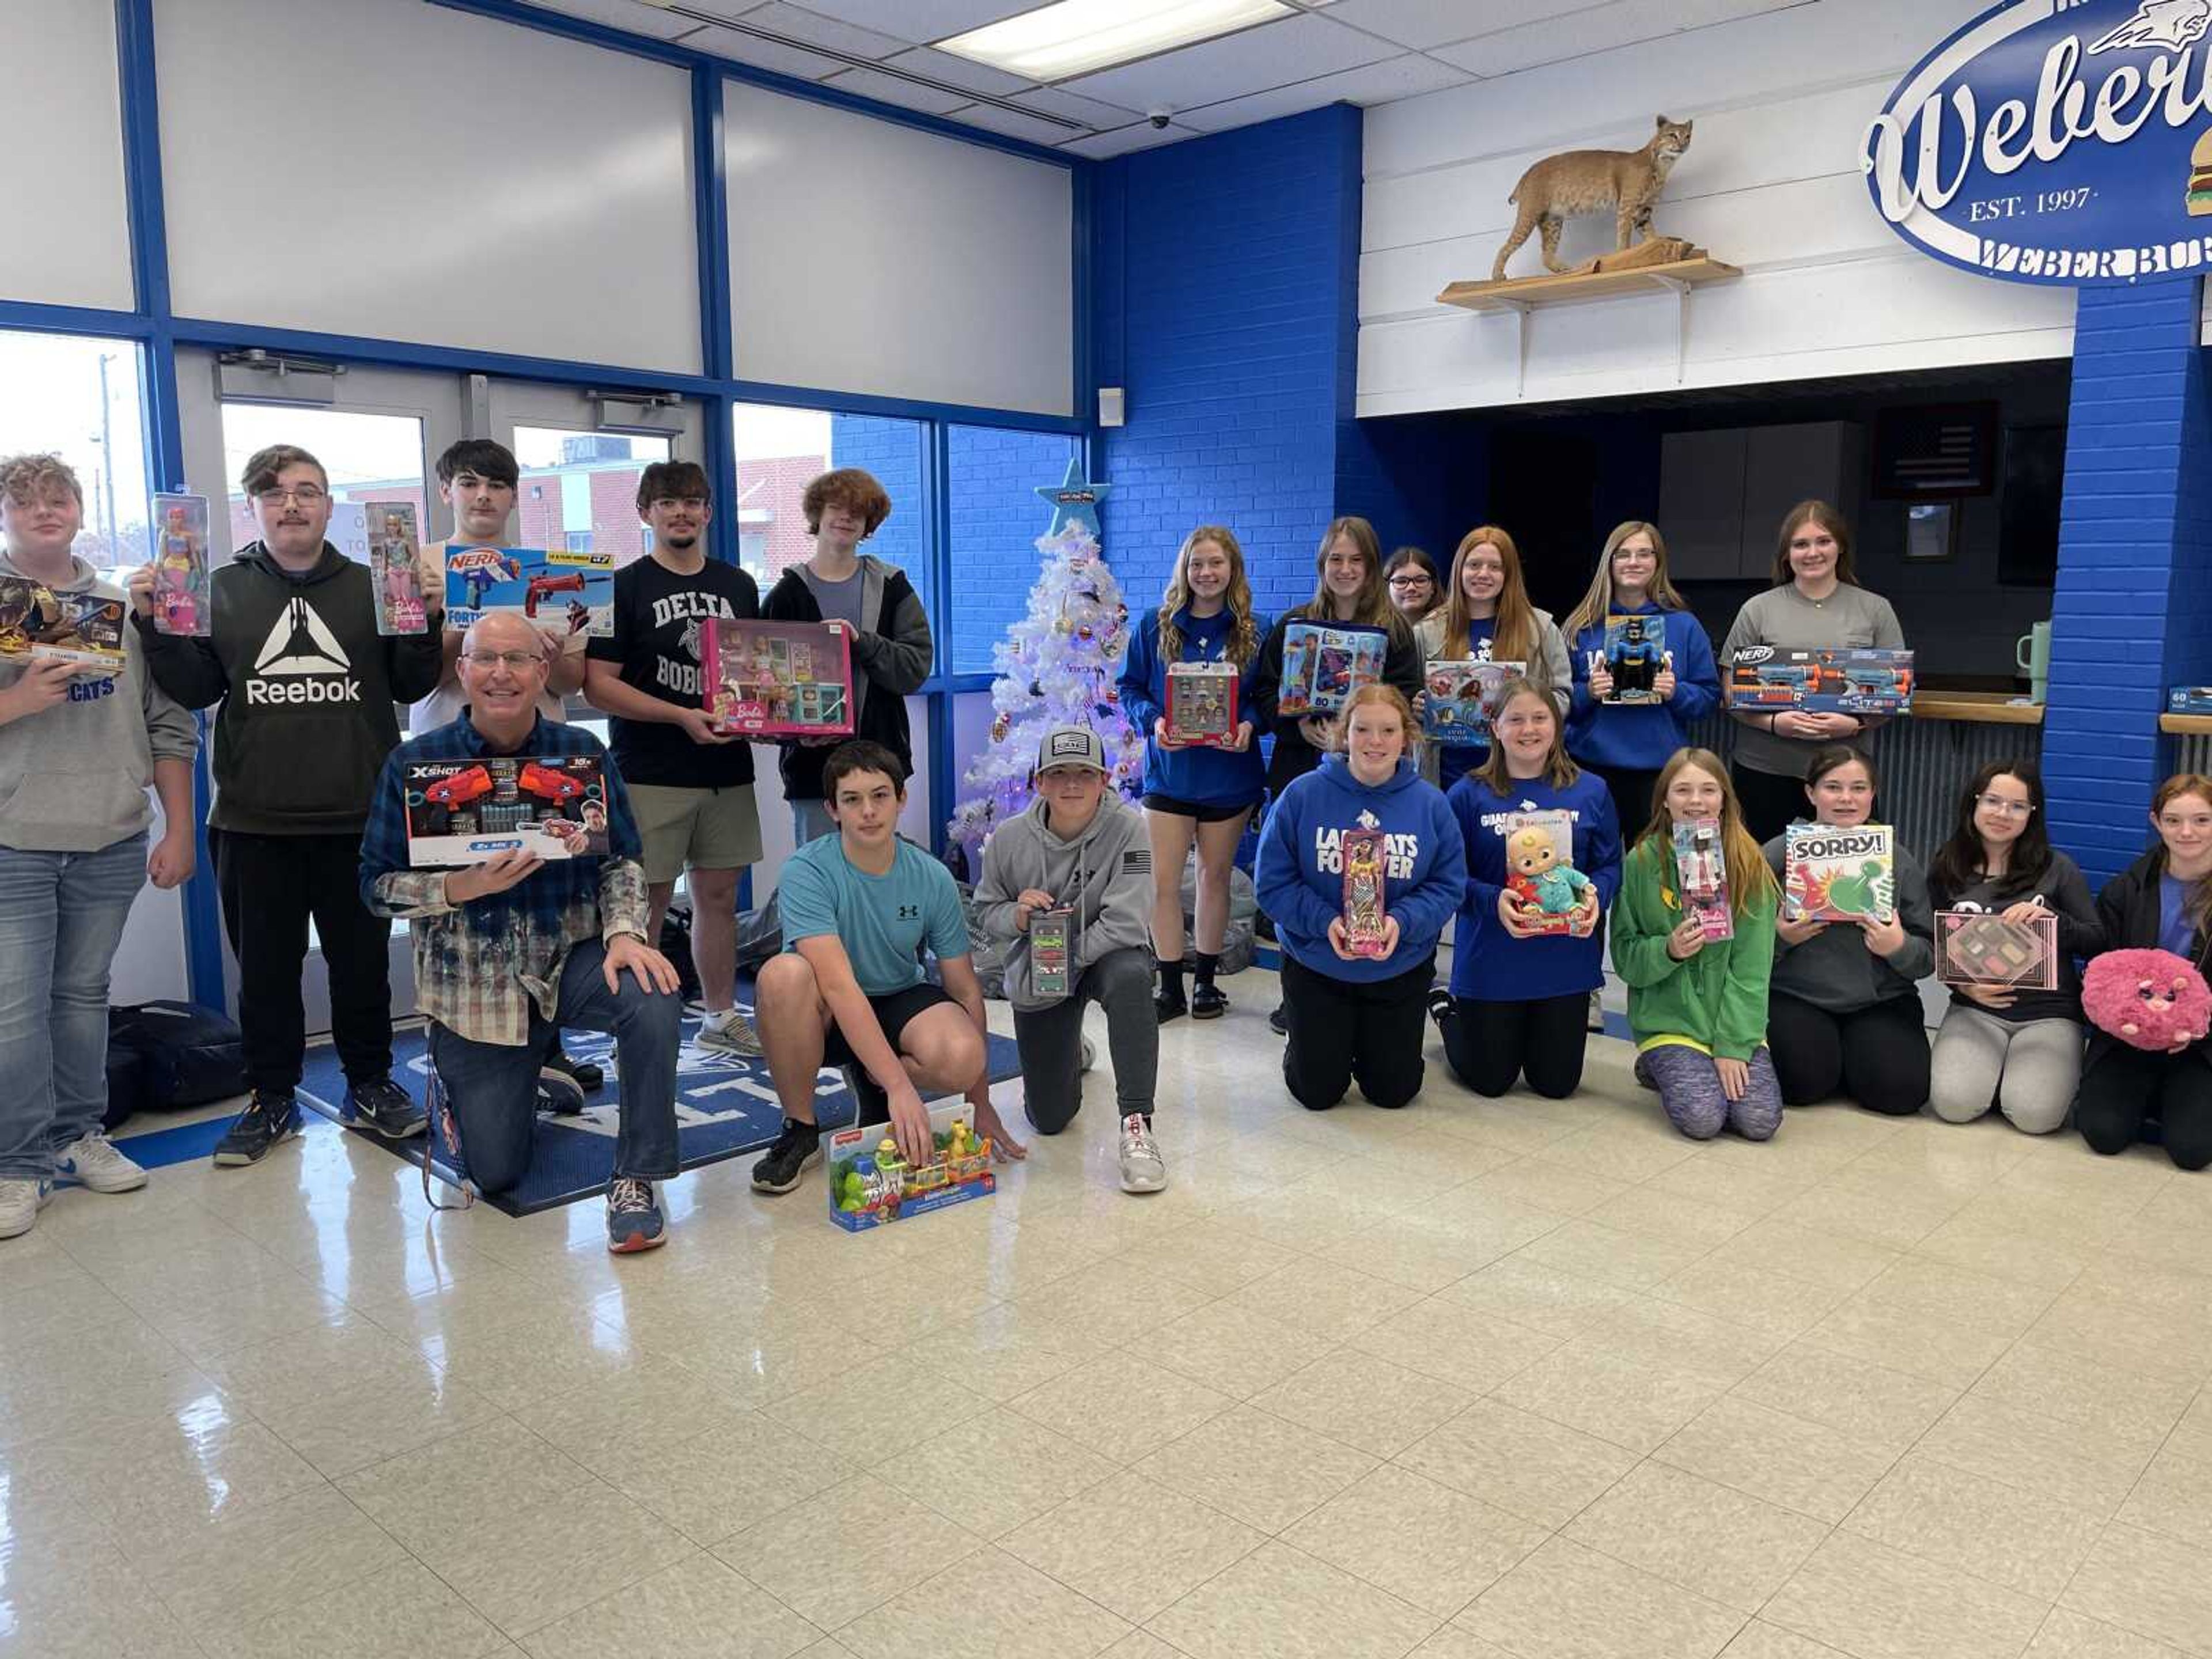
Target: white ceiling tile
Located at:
point(960, 72)
point(763, 54)
point(633, 15)
point(1407, 77)
point(1425, 23)
point(1600, 29)
point(992, 118)
point(921, 20)
point(803, 25)
point(1253, 60)
point(1089, 111)
point(1142, 135)
point(891, 89)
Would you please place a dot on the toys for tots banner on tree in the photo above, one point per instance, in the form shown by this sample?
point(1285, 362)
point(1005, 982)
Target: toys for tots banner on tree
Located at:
point(2064, 141)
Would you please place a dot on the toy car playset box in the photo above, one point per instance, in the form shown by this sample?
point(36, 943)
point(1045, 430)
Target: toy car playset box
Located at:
point(182, 603)
point(1202, 702)
point(1460, 694)
point(1323, 666)
point(777, 679)
point(1978, 947)
point(81, 630)
point(551, 589)
point(470, 811)
point(1634, 654)
point(871, 1185)
point(395, 577)
point(1823, 681)
point(1835, 874)
point(1701, 875)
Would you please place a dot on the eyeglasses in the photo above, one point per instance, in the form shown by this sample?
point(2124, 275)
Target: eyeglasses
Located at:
point(1415, 579)
point(514, 662)
point(2010, 809)
point(278, 494)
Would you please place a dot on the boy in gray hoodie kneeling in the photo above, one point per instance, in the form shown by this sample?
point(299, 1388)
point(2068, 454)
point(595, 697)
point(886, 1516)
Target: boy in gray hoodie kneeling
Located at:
point(1078, 858)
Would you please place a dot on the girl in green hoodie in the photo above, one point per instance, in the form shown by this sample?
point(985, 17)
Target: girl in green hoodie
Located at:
point(1698, 1005)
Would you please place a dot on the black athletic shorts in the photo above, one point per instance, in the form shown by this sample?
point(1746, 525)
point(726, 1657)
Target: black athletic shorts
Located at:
point(1200, 811)
point(893, 1013)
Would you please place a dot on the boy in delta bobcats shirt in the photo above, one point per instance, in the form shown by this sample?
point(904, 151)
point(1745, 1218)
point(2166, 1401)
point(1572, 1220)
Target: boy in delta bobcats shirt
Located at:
point(306, 686)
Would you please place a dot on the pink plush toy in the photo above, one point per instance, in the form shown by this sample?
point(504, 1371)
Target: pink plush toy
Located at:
point(2150, 999)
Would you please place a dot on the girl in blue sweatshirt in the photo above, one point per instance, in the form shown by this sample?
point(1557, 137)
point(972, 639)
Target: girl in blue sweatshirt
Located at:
point(1626, 743)
point(1520, 1000)
point(1195, 792)
point(1355, 1016)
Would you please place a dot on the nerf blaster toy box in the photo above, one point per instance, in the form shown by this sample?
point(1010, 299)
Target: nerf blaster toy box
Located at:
point(1825, 681)
point(470, 811)
point(551, 590)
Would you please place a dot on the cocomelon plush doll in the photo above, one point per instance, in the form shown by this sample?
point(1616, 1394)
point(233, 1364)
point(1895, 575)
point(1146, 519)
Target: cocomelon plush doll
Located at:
point(1538, 880)
point(2150, 999)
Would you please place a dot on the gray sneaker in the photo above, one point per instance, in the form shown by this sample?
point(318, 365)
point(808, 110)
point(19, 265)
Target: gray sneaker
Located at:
point(732, 1033)
point(1142, 1170)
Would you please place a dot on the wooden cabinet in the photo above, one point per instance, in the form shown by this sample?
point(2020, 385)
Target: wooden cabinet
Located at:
point(1723, 494)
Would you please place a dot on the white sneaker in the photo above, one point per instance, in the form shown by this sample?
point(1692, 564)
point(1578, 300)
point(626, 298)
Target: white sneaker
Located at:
point(99, 1163)
point(20, 1204)
point(1143, 1170)
point(729, 1032)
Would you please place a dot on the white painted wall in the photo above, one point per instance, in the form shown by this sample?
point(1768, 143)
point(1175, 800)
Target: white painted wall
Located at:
point(70, 234)
point(1770, 183)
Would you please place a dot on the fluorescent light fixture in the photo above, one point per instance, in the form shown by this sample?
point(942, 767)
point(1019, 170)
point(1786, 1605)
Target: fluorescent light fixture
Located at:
point(1074, 37)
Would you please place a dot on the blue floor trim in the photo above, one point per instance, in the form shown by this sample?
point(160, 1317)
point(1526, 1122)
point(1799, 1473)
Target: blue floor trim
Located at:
point(159, 1148)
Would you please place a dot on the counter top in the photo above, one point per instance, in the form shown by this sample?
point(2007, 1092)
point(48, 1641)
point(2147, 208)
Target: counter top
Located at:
point(1988, 707)
point(2190, 726)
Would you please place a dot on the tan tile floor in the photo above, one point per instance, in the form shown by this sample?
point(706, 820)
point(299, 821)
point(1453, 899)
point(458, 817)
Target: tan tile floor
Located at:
point(1479, 1380)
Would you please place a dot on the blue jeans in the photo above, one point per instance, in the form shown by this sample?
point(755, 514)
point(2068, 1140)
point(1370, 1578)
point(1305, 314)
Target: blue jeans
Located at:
point(493, 1089)
point(811, 821)
point(61, 918)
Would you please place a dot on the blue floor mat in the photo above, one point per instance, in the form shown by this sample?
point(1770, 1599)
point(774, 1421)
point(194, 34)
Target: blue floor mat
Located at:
point(726, 1106)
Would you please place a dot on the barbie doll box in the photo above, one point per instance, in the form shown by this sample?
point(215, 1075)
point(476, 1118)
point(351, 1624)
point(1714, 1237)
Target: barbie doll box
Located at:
point(777, 680)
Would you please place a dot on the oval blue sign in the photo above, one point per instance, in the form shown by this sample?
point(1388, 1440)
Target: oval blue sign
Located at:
point(2065, 142)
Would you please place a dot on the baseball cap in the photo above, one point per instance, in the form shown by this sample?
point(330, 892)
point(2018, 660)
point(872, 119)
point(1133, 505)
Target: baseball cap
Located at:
point(1072, 745)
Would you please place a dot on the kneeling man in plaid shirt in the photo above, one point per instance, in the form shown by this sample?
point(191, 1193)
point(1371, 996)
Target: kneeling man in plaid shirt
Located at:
point(508, 952)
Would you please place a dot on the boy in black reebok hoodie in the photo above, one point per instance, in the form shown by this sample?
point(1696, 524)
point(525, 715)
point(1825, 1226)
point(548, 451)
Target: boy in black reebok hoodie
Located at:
point(306, 686)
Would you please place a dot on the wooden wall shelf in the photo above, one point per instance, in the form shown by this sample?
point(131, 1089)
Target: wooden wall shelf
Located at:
point(1522, 294)
point(2186, 726)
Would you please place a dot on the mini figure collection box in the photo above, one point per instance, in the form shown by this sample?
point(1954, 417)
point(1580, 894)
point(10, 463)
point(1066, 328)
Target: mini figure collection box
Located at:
point(1322, 666)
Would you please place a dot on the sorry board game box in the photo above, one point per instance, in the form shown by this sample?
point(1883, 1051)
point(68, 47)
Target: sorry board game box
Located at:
point(777, 680)
point(181, 603)
point(1323, 666)
point(1635, 652)
point(81, 630)
point(1701, 872)
point(1823, 681)
point(872, 1185)
point(470, 811)
point(547, 588)
point(1977, 947)
point(1460, 695)
point(1202, 702)
point(395, 576)
point(1831, 873)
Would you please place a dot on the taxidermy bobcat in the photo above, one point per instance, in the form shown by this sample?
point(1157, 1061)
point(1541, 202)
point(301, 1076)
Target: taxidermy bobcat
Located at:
point(1627, 181)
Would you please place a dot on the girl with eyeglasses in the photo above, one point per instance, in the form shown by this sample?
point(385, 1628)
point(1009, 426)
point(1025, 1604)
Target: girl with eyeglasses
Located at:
point(1415, 588)
point(2162, 901)
point(1843, 1012)
point(2018, 1050)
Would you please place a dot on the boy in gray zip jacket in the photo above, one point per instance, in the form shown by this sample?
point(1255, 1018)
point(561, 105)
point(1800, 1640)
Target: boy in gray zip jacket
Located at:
point(1080, 849)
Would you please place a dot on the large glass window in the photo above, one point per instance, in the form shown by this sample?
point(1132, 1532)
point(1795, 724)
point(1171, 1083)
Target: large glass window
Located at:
point(996, 518)
point(780, 450)
point(369, 458)
point(78, 398)
point(578, 490)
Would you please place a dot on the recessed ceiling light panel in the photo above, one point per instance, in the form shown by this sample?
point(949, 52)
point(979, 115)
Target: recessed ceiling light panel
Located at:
point(1075, 37)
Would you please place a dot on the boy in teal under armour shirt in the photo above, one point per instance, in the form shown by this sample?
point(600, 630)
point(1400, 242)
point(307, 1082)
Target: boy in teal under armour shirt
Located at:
point(848, 989)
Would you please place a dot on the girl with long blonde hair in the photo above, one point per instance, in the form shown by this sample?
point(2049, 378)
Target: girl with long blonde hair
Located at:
point(1194, 794)
point(1697, 1006)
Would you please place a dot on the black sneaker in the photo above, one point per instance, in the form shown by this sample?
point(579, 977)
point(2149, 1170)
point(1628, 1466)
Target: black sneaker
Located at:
point(385, 1109)
point(1166, 1007)
point(1440, 1004)
point(558, 1093)
point(1278, 1022)
point(587, 1077)
point(269, 1118)
point(871, 1104)
point(798, 1146)
point(1206, 1002)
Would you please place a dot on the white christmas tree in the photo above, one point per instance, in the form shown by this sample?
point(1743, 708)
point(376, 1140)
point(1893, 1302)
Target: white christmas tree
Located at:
point(1056, 666)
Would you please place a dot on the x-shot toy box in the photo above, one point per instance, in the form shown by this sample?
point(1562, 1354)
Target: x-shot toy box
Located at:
point(470, 811)
point(871, 1185)
point(1825, 681)
point(551, 589)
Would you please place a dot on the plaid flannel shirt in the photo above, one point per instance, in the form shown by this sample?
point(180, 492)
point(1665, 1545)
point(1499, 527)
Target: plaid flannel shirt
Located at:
point(480, 966)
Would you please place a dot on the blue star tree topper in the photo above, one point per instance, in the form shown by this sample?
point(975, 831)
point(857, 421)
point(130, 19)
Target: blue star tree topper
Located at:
point(1075, 501)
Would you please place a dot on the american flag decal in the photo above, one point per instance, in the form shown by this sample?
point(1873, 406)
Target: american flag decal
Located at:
point(1137, 861)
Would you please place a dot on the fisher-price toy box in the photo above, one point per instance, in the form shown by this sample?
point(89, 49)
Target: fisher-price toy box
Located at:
point(867, 1190)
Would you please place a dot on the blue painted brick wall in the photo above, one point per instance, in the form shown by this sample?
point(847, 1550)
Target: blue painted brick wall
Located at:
point(996, 518)
point(1224, 271)
point(2132, 613)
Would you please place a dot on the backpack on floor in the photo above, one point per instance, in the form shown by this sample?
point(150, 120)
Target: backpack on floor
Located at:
point(189, 1055)
point(127, 1094)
